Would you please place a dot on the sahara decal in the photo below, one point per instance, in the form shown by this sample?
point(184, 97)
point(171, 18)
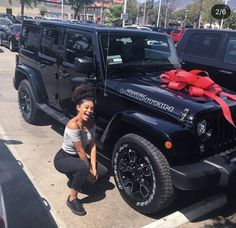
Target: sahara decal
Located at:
point(146, 99)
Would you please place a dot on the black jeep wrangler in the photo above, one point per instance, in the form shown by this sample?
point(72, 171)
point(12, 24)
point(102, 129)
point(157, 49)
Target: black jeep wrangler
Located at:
point(158, 138)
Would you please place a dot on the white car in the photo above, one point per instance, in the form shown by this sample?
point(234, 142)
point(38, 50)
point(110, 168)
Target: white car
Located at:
point(139, 27)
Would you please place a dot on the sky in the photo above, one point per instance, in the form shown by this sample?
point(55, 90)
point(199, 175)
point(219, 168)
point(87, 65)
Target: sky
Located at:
point(183, 3)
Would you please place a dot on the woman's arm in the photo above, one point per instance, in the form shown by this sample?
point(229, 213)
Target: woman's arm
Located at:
point(80, 151)
point(76, 139)
point(93, 158)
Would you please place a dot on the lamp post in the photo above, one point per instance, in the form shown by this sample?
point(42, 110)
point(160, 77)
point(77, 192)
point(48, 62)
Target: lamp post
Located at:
point(124, 13)
point(101, 14)
point(62, 9)
point(144, 12)
point(222, 20)
point(159, 11)
point(166, 13)
point(185, 17)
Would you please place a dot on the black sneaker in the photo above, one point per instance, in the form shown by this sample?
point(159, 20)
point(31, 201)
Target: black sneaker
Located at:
point(76, 206)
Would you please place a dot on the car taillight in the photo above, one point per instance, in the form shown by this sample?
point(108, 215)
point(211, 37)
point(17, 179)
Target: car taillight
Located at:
point(17, 36)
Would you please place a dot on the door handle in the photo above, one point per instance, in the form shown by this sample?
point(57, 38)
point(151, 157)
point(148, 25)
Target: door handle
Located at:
point(226, 72)
point(63, 74)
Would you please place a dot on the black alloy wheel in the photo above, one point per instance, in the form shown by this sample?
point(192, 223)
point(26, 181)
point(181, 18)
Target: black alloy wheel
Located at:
point(142, 174)
point(27, 103)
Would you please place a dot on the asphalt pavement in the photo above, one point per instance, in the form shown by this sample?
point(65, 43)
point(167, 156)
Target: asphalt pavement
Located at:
point(35, 193)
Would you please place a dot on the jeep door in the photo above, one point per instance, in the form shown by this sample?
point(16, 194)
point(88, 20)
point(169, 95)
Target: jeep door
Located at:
point(228, 71)
point(76, 44)
point(47, 62)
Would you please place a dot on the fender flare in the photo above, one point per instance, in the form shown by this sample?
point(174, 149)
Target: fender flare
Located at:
point(25, 72)
point(154, 127)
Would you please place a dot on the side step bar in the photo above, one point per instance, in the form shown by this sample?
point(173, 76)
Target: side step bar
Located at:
point(54, 114)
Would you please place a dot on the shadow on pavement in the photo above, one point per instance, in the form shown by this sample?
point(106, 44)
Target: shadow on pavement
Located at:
point(1, 51)
point(24, 206)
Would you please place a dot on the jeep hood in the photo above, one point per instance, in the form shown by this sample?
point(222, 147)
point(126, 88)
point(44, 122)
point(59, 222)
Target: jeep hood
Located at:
point(149, 91)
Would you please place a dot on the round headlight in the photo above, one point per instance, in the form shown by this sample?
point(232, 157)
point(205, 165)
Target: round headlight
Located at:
point(201, 127)
point(204, 130)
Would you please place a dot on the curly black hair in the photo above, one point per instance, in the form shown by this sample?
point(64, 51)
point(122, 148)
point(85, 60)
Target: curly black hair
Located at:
point(83, 92)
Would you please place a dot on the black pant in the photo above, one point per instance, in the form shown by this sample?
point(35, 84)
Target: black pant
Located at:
point(75, 169)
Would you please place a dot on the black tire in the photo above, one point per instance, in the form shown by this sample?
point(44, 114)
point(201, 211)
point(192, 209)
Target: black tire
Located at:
point(27, 103)
point(142, 174)
point(0, 41)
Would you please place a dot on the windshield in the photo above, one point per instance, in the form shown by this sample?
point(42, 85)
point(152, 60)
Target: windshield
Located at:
point(144, 51)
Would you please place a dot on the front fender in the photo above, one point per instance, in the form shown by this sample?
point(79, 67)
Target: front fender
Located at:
point(25, 72)
point(160, 131)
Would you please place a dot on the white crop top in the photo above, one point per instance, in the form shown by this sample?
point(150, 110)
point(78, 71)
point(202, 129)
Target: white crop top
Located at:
point(76, 135)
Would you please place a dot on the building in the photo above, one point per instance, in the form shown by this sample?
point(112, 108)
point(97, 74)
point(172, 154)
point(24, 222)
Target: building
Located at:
point(53, 8)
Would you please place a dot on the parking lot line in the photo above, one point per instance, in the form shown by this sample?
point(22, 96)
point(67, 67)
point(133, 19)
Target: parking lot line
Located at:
point(190, 213)
point(53, 211)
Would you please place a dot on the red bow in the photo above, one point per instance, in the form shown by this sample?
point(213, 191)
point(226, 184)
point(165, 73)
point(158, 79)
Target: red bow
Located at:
point(198, 86)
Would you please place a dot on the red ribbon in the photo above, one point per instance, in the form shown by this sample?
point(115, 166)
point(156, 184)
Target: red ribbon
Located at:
point(198, 85)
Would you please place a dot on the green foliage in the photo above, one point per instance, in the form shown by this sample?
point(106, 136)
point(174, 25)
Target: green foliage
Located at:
point(43, 10)
point(132, 10)
point(230, 22)
point(197, 8)
point(27, 3)
point(112, 15)
point(78, 5)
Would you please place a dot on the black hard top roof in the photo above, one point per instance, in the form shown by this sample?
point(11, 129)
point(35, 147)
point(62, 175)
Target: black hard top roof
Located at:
point(86, 26)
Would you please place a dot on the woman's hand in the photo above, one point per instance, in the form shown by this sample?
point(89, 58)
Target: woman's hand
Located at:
point(93, 176)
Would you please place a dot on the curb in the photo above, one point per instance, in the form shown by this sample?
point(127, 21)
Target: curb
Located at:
point(190, 213)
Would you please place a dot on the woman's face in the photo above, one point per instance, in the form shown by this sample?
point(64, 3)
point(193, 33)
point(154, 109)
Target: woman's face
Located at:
point(85, 110)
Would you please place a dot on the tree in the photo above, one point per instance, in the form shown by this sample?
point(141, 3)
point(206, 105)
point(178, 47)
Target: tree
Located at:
point(201, 9)
point(112, 15)
point(27, 3)
point(78, 5)
point(230, 22)
point(132, 10)
point(43, 10)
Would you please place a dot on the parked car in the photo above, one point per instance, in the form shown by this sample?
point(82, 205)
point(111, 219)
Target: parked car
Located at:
point(156, 29)
point(177, 34)
point(4, 22)
point(21, 18)
point(211, 50)
point(155, 137)
point(10, 17)
point(10, 36)
point(138, 27)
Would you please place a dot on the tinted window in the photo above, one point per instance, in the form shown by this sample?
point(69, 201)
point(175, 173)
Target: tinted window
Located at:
point(204, 45)
point(29, 38)
point(78, 45)
point(230, 55)
point(49, 42)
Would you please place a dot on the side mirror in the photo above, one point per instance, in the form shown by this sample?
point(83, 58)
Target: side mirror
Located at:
point(84, 65)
